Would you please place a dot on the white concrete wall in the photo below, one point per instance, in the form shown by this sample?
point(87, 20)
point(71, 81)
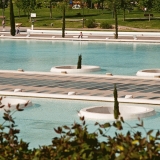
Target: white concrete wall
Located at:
point(95, 33)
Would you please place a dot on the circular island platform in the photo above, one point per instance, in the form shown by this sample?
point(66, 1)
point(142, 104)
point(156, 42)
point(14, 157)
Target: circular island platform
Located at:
point(149, 73)
point(73, 69)
point(106, 113)
point(13, 103)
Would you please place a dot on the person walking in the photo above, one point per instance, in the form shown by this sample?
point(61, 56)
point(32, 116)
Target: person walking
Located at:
point(80, 35)
point(18, 30)
point(3, 23)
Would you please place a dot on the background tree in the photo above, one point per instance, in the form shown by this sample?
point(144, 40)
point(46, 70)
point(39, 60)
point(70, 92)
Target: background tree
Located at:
point(110, 6)
point(28, 6)
point(19, 5)
point(79, 64)
point(49, 4)
point(53, 3)
point(116, 21)
point(148, 4)
point(156, 5)
point(3, 5)
point(100, 4)
point(125, 4)
point(116, 103)
point(12, 20)
point(62, 6)
point(64, 22)
point(114, 5)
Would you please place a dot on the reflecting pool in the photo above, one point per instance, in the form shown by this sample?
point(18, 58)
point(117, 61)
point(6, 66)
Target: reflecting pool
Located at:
point(37, 122)
point(116, 58)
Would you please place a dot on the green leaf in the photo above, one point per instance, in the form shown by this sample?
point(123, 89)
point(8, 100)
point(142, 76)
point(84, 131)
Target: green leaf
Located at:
point(158, 133)
point(1, 127)
point(151, 138)
point(17, 107)
point(82, 118)
point(149, 132)
point(9, 105)
point(2, 106)
point(121, 118)
point(26, 104)
point(141, 123)
point(2, 158)
point(106, 125)
point(66, 127)
point(102, 145)
point(100, 131)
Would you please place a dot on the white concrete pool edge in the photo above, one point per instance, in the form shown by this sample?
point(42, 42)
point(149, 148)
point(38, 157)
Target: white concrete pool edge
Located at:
point(79, 97)
point(104, 39)
point(82, 74)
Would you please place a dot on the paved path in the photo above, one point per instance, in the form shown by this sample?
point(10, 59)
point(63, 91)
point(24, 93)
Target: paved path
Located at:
point(106, 38)
point(85, 85)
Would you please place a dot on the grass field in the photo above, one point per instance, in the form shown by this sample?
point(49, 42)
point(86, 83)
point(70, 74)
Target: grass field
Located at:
point(74, 18)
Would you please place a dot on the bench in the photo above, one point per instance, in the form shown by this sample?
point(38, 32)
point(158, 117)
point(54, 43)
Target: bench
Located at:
point(28, 35)
point(147, 15)
point(80, 37)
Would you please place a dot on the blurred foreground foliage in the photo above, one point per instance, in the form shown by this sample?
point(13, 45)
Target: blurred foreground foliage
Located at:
point(75, 142)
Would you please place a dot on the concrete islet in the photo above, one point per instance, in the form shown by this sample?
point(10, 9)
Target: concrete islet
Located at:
point(107, 113)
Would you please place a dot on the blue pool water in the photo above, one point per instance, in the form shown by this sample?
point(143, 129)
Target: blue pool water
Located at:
point(37, 122)
point(116, 58)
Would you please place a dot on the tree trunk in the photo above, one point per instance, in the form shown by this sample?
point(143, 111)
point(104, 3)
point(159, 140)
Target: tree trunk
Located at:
point(91, 4)
point(29, 15)
point(79, 64)
point(113, 14)
point(19, 12)
point(116, 22)
point(102, 5)
point(116, 103)
point(63, 24)
point(12, 20)
point(124, 14)
point(83, 17)
point(50, 9)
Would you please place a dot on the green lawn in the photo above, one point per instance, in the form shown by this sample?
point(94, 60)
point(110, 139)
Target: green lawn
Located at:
point(134, 19)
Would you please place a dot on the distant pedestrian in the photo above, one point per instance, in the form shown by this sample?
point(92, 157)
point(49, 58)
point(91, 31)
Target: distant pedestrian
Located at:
point(18, 30)
point(3, 23)
point(80, 35)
